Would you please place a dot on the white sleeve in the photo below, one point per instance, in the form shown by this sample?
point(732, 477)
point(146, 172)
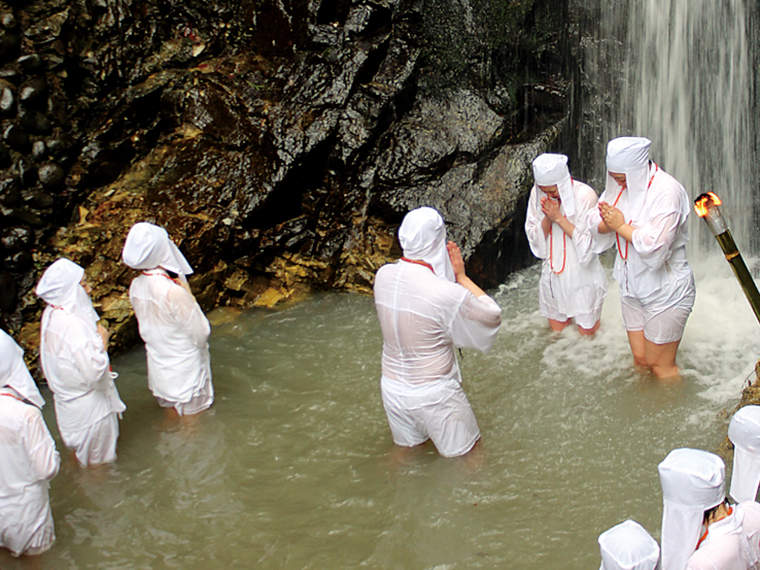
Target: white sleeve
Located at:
point(41, 447)
point(585, 202)
point(534, 216)
point(654, 239)
point(90, 357)
point(600, 242)
point(476, 323)
point(187, 313)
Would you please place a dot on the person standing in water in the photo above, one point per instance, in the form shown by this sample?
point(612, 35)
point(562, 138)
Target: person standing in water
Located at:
point(171, 322)
point(573, 284)
point(427, 306)
point(28, 458)
point(644, 212)
point(74, 360)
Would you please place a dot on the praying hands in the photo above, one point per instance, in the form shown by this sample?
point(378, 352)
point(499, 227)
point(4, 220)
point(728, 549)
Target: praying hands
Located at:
point(611, 216)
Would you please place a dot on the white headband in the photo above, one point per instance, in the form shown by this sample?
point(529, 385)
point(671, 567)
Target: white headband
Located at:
point(551, 169)
point(692, 482)
point(628, 546)
point(422, 236)
point(148, 246)
point(744, 433)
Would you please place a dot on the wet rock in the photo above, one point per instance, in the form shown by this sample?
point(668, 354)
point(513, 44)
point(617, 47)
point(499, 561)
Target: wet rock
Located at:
point(15, 137)
point(34, 121)
point(27, 173)
point(8, 292)
point(33, 92)
point(8, 20)
point(43, 200)
point(5, 156)
point(16, 238)
point(30, 64)
point(7, 97)
point(51, 175)
point(9, 45)
point(9, 192)
point(38, 150)
point(19, 261)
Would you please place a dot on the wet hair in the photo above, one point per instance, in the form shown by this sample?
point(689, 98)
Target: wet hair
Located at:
point(709, 513)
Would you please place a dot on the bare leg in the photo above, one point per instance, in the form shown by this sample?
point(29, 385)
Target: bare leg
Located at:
point(404, 455)
point(638, 348)
point(591, 331)
point(558, 325)
point(662, 359)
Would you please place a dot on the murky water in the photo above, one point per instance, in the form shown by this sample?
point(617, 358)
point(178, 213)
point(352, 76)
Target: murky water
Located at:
point(292, 467)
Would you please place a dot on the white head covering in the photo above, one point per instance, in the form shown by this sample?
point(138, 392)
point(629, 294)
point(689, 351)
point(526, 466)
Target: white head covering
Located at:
point(692, 482)
point(60, 286)
point(422, 236)
point(744, 432)
point(628, 546)
point(14, 373)
point(629, 156)
point(148, 246)
point(550, 169)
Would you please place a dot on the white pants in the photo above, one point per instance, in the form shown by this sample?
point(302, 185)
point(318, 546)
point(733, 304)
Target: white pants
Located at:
point(201, 401)
point(663, 318)
point(96, 444)
point(436, 410)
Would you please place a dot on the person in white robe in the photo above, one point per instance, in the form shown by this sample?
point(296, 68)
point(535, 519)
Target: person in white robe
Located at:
point(428, 306)
point(74, 360)
point(28, 458)
point(700, 529)
point(628, 546)
point(573, 284)
point(171, 322)
point(643, 212)
point(744, 433)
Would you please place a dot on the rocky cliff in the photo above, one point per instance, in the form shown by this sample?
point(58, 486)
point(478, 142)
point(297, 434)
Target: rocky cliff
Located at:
point(280, 143)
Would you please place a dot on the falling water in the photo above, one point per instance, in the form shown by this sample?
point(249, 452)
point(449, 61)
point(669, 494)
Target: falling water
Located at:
point(681, 73)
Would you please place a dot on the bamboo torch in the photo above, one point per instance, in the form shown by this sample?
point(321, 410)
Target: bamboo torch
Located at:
point(707, 208)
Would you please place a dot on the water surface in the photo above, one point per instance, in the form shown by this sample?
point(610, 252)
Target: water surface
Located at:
point(292, 466)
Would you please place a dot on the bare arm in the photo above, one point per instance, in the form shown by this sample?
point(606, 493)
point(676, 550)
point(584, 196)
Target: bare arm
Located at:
point(455, 254)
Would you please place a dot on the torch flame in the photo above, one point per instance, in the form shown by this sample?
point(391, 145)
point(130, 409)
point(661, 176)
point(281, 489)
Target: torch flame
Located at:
point(703, 203)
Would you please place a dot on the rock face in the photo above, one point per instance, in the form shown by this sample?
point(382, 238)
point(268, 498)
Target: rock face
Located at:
point(280, 143)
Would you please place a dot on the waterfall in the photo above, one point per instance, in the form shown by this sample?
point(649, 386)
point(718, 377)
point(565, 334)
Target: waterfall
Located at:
point(681, 73)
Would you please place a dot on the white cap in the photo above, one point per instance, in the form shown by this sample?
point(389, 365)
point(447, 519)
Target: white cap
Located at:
point(744, 433)
point(551, 169)
point(629, 156)
point(14, 373)
point(422, 236)
point(692, 482)
point(628, 546)
point(148, 246)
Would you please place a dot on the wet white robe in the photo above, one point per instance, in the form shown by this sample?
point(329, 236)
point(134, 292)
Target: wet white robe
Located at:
point(732, 542)
point(424, 318)
point(175, 332)
point(77, 368)
point(656, 266)
point(28, 460)
point(581, 287)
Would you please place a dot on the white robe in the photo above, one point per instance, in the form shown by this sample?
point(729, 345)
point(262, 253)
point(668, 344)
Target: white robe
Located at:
point(424, 318)
point(732, 542)
point(28, 460)
point(77, 368)
point(581, 287)
point(656, 264)
point(175, 332)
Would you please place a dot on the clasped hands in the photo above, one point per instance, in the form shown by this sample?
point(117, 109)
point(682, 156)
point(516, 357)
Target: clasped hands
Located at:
point(550, 208)
point(611, 216)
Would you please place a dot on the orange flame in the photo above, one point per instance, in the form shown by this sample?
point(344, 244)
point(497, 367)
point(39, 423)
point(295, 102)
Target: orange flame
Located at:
point(703, 203)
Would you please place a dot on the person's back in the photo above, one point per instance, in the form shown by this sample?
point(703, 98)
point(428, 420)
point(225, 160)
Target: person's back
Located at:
point(175, 332)
point(416, 309)
point(28, 460)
